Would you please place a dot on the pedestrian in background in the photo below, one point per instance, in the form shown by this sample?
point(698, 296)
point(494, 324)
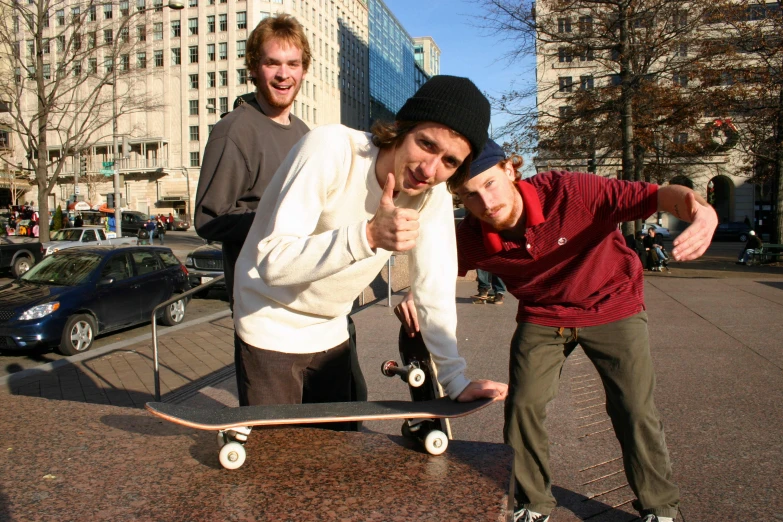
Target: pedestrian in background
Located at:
point(160, 229)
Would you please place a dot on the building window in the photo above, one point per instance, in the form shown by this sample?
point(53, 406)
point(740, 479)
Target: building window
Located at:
point(157, 31)
point(60, 45)
point(681, 138)
point(681, 50)
point(140, 5)
point(241, 49)
point(585, 24)
point(223, 79)
point(564, 55)
point(223, 20)
point(124, 35)
point(141, 60)
point(680, 19)
point(159, 58)
point(194, 81)
point(75, 14)
point(585, 83)
point(158, 4)
point(125, 63)
point(566, 111)
point(92, 14)
point(176, 56)
point(681, 80)
point(193, 54)
point(92, 66)
point(194, 133)
point(141, 33)
point(176, 29)
point(193, 26)
point(211, 106)
point(194, 159)
point(47, 72)
point(124, 8)
point(59, 15)
point(193, 106)
point(223, 51)
point(223, 105)
point(242, 20)
point(241, 76)
point(209, 129)
point(211, 24)
point(587, 56)
point(211, 80)
point(563, 25)
point(91, 40)
point(108, 12)
point(193, 3)
point(210, 52)
point(566, 83)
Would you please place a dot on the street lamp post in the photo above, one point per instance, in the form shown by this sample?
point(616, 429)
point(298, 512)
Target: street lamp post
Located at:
point(175, 5)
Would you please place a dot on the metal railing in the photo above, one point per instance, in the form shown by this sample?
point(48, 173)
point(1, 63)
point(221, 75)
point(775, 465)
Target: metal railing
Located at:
point(156, 369)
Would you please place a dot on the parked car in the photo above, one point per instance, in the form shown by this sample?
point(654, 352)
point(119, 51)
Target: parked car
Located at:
point(19, 254)
point(205, 264)
point(659, 230)
point(132, 221)
point(733, 231)
point(181, 225)
point(72, 296)
point(79, 237)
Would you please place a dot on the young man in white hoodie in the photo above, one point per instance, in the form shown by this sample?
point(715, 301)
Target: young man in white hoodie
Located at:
point(338, 206)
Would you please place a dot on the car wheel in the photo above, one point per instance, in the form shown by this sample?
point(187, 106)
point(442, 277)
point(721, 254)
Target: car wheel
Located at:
point(174, 313)
point(21, 265)
point(78, 334)
point(743, 237)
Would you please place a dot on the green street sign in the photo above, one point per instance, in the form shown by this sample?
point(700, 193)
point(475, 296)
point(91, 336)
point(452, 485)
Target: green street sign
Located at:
point(107, 172)
point(107, 164)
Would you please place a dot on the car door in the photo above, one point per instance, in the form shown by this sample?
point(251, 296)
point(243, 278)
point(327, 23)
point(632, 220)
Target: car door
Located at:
point(88, 236)
point(119, 300)
point(154, 286)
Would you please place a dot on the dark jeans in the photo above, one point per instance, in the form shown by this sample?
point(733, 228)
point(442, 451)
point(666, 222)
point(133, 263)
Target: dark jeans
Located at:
point(270, 377)
point(620, 352)
point(487, 280)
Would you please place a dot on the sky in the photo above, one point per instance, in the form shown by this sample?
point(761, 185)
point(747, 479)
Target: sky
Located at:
point(466, 49)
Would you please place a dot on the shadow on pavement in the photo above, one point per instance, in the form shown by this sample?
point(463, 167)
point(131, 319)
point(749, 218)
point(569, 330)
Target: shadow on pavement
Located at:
point(773, 284)
point(588, 509)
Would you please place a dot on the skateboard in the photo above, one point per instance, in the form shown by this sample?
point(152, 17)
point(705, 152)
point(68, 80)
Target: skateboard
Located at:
point(421, 375)
point(234, 424)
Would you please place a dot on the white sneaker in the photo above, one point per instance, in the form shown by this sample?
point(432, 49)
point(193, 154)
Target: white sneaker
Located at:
point(525, 515)
point(656, 518)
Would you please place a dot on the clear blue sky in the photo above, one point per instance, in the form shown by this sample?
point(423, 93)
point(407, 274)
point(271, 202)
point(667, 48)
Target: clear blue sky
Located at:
point(465, 49)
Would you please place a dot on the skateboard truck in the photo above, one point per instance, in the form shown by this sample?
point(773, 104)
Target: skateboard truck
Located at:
point(232, 447)
point(412, 373)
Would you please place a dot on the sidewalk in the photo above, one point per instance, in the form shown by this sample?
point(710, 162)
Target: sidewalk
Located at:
point(717, 345)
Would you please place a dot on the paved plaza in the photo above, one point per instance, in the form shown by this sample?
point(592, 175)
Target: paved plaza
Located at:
point(717, 346)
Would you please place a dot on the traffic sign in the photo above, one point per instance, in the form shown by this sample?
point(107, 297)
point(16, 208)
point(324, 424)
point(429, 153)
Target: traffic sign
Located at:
point(108, 164)
point(107, 172)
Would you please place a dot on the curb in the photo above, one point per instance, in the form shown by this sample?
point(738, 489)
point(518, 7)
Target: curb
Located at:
point(92, 354)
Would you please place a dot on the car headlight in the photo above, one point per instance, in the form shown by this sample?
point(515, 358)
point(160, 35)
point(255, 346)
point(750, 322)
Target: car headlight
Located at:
point(189, 261)
point(51, 250)
point(39, 311)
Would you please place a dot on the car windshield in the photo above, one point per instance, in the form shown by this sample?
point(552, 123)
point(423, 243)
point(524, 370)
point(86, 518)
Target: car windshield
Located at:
point(68, 234)
point(63, 270)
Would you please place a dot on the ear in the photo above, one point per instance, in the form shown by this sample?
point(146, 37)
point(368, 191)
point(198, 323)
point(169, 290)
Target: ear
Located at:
point(510, 172)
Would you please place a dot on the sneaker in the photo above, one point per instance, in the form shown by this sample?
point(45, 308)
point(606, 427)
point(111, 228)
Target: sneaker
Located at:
point(656, 518)
point(525, 515)
point(498, 299)
point(481, 297)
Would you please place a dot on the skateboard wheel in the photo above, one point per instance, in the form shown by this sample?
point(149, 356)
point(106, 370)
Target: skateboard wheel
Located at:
point(232, 455)
point(436, 442)
point(416, 377)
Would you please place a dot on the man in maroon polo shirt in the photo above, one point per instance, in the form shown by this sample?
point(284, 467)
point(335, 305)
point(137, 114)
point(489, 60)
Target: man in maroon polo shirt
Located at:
point(554, 240)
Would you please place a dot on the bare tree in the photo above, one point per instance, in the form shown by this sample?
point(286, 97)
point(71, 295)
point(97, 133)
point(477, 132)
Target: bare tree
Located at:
point(68, 60)
point(634, 97)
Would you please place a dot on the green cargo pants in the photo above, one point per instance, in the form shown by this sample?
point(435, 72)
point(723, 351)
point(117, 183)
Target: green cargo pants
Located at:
point(620, 351)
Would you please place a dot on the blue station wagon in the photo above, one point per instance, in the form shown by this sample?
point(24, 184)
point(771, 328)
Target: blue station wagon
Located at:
point(74, 295)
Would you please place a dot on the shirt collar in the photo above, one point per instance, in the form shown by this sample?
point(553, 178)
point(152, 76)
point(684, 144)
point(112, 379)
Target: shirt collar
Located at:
point(534, 215)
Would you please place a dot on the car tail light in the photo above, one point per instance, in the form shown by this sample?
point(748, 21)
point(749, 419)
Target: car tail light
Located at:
point(184, 270)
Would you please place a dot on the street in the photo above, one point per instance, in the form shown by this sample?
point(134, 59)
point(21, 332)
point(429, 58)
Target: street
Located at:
point(180, 243)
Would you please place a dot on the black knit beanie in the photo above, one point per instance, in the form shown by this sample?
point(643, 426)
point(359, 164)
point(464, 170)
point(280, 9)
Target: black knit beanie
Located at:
point(454, 102)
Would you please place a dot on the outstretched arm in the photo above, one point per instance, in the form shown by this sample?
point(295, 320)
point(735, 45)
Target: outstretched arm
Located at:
point(685, 204)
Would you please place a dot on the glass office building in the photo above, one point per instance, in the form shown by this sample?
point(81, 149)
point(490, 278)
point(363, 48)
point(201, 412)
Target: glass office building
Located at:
point(393, 75)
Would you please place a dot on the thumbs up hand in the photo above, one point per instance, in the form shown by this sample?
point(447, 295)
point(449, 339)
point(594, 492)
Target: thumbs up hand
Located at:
point(392, 228)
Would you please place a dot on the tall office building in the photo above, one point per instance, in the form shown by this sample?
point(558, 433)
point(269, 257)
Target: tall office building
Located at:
point(427, 55)
point(192, 62)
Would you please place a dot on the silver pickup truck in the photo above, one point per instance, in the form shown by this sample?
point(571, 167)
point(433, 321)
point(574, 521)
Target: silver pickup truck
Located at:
point(81, 236)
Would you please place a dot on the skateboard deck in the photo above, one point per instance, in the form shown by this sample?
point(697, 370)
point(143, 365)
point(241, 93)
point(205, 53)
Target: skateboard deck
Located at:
point(233, 424)
point(315, 413)
point(414, 351)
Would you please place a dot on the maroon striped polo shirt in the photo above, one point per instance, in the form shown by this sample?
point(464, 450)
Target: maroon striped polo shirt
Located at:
point(573, 268)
